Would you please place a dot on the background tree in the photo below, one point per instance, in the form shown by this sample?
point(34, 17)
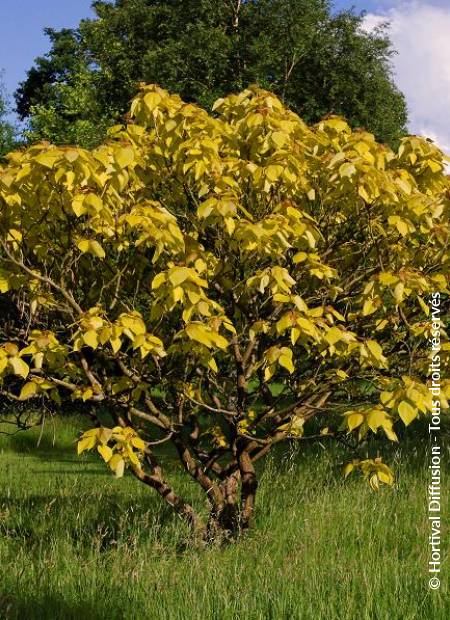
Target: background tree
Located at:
point(316, 61)
point(7, 132)
point(220, 283)
point(59, 96)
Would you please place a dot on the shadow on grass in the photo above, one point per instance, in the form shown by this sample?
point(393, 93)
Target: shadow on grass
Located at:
point(83, 471)
point(49, 606)
point(94, 521)
point(412, 451)
point(29, 443)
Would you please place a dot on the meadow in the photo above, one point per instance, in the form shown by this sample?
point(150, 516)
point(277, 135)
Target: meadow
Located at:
point(77, 543)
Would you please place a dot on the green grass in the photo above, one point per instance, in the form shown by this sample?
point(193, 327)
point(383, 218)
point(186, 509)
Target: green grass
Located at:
point(76, 543)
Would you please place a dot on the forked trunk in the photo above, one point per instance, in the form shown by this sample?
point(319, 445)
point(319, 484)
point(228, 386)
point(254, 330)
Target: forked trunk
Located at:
point(232, 501)
point(224, 518)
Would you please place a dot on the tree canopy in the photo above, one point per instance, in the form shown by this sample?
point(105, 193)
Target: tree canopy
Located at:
point(7, 132)
point(225, 282)
point(318, 62)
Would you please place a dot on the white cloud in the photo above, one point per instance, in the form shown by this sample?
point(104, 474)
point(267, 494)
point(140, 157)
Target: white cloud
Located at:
point(420, 32)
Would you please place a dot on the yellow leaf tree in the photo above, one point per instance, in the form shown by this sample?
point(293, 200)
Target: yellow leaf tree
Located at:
point(223, 283)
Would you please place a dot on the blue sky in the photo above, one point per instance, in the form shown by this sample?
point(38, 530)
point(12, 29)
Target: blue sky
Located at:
point(420, 31)
point(21, 32)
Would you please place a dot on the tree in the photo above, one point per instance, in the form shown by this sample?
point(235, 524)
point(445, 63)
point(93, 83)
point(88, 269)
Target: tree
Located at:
point(317, 62)
point(61, 99)
point(223, 283)
point(7, 133)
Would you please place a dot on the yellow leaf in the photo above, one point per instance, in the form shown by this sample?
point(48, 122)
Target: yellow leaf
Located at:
point(347, 170)
point(375, 349)
point(90, 338)
point(300, 257)
point(398, 292)
point(47, 159)
point(124, 156)
point(274, 171)
point(333, 335)
point(137, 443)
point(178, 275)
point(117, 464)
point(78, 205)
point(105, 452)
point(434, 166)
point(375, 419)
point(91, 246)
point(387, 398)
point(381, 324)
point(104, 435)
point(390, 433)
point(19, 367)
point(96, 249)
point(373, 481)
point(28, 390)
point(71, 155)
point(348, 469)
point(386, 477)
point(212, 364)
point(354, 420)
point(158, 280)
point(402, 227)
point(404, 185)
point(116, 343)
point(86, 443)
point(217, 104)
point(93, 432)
point(406, 412)
point(198, 333)
point(387, 278)
point(4, 283)
point(92, 200)
point(83, 245)
point(14, 235)
point(134, 323)
point(218, 340)
point(369, 307)
point(286, 362)
point(279, 138)
point(364, 194)
point(295, 334)
point(87, 394)
point(152, 100)
point(268, 373)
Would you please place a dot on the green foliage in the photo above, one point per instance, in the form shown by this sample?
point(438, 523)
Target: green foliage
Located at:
point(317, 62)
point(7, 132)
point(60, 95)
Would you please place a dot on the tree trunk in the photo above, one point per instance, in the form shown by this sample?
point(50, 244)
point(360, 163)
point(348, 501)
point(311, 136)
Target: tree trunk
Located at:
point(181, 507)
point(224, 519)
point(248, 490)
point(231, 511)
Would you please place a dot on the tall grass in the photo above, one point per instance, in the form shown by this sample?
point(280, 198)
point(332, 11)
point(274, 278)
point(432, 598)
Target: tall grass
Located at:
point(76, 543)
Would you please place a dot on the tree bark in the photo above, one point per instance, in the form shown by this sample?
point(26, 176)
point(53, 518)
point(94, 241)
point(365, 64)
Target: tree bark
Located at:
point(224, 519)
point(248, 489)
point(181, 507)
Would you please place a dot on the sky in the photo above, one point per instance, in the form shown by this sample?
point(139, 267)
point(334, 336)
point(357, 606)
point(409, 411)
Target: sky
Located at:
point(21, 32)
point(420, 32)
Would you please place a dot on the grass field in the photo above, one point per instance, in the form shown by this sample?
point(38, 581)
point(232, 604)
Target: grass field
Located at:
point(76, 543)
